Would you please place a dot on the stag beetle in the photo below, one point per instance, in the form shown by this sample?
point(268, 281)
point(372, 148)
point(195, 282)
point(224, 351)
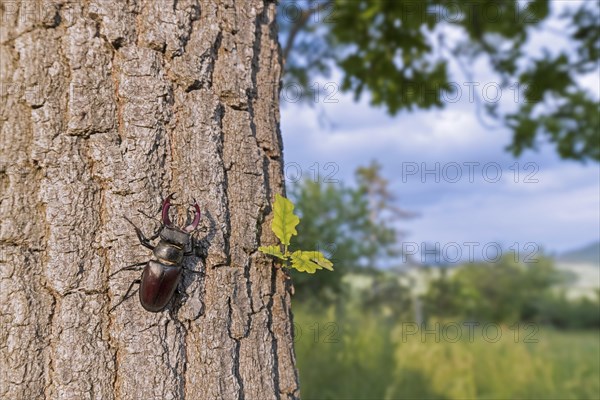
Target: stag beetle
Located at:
point(161, 276)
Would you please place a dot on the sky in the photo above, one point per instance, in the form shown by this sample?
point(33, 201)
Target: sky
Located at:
point(471, 196)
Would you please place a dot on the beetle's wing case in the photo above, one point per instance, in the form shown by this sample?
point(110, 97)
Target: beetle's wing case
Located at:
point(159, 282)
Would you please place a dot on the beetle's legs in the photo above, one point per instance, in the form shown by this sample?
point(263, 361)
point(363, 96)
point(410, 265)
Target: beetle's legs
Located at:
point(192, 252)
point(192, 271)
point(132, 267)
point(156, 234)
point(154, 218)
point(149, 216)
point(194, 245)
point(143, 239)
point(127, 294)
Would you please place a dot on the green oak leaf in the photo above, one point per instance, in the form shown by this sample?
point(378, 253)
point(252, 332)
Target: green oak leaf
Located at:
point(318, 258)
point(310, 261)
point(284, 221)
point(274, 251)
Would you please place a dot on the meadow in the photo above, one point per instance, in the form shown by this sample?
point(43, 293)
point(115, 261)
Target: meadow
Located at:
point(361, 355)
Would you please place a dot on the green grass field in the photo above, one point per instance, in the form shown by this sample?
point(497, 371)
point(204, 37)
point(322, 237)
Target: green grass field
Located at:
point(366, 357)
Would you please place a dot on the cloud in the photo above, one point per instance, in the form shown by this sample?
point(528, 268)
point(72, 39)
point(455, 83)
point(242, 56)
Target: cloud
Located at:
point(539, 198)
point(560, 220)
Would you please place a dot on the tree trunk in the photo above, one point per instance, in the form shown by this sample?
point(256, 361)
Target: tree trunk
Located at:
point(107, 106)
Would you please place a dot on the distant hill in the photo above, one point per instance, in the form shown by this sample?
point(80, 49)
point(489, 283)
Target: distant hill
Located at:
point(589, 254)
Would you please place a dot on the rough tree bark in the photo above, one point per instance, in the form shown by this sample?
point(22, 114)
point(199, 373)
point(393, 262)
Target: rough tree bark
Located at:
point(106, 107)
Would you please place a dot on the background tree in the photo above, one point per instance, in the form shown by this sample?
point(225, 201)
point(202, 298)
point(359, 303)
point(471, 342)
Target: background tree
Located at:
point(399, 52)
point(510, 291)
point(353, 224)
point(107, 107)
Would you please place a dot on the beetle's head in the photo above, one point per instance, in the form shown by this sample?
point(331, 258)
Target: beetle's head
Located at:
point(171, 232)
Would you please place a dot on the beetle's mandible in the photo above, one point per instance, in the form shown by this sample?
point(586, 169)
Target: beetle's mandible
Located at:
point(161, 275)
